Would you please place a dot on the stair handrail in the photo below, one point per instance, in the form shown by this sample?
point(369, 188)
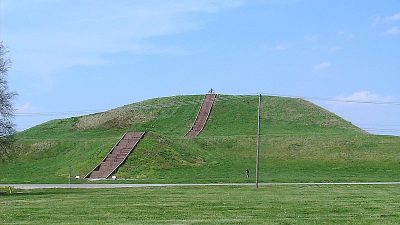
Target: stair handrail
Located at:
point(197, 116)
point(112, 149)
point(127, 155)
point(198, 113)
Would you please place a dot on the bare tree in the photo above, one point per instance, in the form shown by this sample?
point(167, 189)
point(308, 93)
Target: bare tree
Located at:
point(6, 106)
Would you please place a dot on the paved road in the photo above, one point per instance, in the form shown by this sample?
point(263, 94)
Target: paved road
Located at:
point(88, 186)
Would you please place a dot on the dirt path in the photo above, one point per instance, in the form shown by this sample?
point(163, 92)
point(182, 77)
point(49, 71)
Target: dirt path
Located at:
point(109, 186)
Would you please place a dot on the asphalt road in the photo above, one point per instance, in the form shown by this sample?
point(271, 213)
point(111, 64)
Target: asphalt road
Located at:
point(108, 186)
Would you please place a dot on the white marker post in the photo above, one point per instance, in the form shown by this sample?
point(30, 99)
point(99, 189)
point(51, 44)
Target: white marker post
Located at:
point(70, 172)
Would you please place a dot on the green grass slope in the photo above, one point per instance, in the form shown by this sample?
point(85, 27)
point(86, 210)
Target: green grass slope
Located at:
point(300, 142)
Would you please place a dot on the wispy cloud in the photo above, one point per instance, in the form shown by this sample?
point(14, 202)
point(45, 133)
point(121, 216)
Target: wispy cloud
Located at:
point(393, 31)
point(95, 30)
point(365, 96)
point(279, 47)
point(26, 108)
point(334, 49)
point(391, 18)
point(322, 66)
point(311, 38)
point(345, 34)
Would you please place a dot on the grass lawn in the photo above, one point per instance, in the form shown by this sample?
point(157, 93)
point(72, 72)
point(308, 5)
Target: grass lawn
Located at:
point(205, 205)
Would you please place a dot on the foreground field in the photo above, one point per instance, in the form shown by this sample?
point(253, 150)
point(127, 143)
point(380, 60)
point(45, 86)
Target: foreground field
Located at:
point(205, 205)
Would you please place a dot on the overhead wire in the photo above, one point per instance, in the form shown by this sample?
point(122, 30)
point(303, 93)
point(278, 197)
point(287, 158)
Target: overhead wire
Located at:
point(176, 103)
point(162, 137)
point(137, 106)
point(146, 106)
point(334, 99)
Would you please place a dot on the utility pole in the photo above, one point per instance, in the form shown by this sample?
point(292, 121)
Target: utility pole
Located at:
point(258, 141)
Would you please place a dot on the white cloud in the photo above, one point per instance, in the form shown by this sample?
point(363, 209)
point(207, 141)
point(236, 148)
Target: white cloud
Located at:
point(392, 18)
point(370, 117)
point(365, 96)
point(395, 17)
point(26, 108)
point(322, 66)
point(311, 38)
point(63, 40)
point(345, 34)
point(279, 47)
point(334, 49)
point(393, 31)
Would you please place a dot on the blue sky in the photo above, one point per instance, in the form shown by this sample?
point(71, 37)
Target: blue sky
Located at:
point(74, 56)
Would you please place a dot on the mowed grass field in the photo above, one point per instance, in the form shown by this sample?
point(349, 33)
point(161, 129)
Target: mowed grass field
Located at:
point(300, 142)
point(352, 204)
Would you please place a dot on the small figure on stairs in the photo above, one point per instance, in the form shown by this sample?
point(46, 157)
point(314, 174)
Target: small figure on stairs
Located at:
point(211, 91)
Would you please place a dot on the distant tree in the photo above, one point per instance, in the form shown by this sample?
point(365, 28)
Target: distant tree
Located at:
point(6, 106)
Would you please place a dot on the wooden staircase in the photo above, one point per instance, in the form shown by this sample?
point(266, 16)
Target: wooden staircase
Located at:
point(117, 156)
point(202, 115)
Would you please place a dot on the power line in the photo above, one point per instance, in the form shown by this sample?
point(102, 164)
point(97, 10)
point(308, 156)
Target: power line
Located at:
point(135, 106)
point(140, 105)
point(132, 107)
point(311, 135)
point(58, 113)
point(381, 130)
point(333, 99)
point(176, 103)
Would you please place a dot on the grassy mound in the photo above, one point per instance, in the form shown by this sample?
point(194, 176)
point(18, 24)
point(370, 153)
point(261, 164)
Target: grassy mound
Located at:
point(300, 142)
